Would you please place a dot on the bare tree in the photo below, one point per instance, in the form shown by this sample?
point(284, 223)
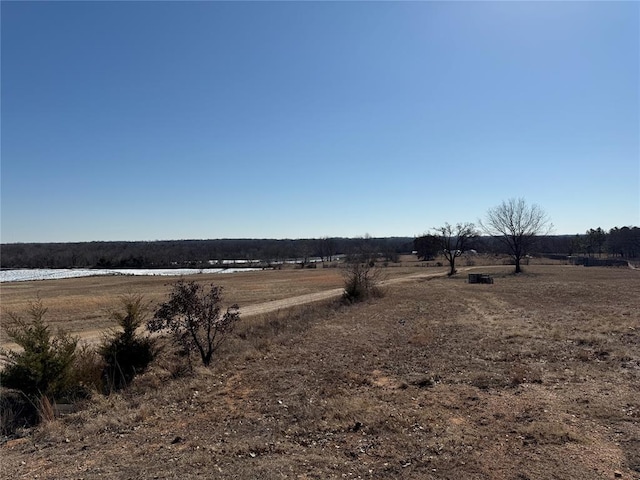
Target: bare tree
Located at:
point(361, 274)
point(193, 316)
point(326, 247)
point(361, 279)
point(516, 225)
point(454, 240)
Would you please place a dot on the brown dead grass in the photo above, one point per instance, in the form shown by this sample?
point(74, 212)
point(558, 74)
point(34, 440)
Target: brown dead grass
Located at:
point(536, 376)
point(83, 304)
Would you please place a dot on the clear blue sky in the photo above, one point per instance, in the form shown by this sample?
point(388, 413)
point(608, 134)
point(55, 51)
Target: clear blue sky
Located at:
point(173, 120)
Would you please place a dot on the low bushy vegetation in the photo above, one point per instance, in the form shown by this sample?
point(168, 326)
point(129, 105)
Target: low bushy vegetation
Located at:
point(54, 369)
point(126, 353)
point(45, 366)
point(361, 279)
point(192, 315)
point(16, 411)
point(40, 375)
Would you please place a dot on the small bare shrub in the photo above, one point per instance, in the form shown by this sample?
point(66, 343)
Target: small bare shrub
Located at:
point(361, 279)
point(193, 316)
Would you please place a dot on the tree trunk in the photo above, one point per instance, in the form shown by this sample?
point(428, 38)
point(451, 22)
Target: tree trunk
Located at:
point(206, 358)
point(518, 269)
point(452, 264)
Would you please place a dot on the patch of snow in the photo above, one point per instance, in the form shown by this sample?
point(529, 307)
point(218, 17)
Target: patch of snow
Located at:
point(25, 275)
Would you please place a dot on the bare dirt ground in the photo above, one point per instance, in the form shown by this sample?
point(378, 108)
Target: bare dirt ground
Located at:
point(534, 377)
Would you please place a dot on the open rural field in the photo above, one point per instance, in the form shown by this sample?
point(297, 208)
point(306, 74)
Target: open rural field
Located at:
point(82, 305)
point(534, 377)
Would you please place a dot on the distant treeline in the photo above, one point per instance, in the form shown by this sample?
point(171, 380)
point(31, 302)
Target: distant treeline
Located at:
point(618, 242)
point(191, 253)
point(621, 242)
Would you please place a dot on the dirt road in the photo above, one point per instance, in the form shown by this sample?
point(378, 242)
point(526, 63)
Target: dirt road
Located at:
point(267, 307)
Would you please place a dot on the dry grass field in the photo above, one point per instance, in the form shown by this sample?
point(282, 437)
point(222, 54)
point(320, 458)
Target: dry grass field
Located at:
point(83, 304)
point(534, 377)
